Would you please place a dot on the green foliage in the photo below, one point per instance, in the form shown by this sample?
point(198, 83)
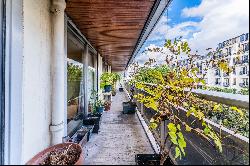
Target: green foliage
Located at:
point(109, 79)
point(173, 86)
point(74, 72)
point(152, 75)
point(95, 101)
point(243, 91)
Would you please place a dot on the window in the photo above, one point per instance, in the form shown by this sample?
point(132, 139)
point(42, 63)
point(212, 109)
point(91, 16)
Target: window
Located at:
point(220, 45)
point(242, 38)
point(230, 51)
point(243, 70)
point(234, 71)
point(245, 59)
point(227, 51)
point(247, 35)
point(227, 80)
point(246, 47)
point(217, 81)
point(243, 47)
point(234, 82)
point(245, 81)
point(217, 72)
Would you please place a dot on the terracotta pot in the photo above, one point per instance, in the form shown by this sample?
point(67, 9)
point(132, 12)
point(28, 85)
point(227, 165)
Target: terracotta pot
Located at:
point(37, 159)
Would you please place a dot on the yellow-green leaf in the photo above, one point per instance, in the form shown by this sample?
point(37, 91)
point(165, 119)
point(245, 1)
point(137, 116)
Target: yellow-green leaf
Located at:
point(188, 128)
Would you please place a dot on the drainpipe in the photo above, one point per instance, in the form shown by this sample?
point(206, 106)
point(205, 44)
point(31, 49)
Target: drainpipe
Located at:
point(57, 71)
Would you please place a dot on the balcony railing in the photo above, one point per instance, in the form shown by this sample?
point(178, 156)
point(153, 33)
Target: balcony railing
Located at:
point(225, 74)
point(218, 83)
point(217, 74)
point(243, 85)
point(225, 84)
point(245, 61)
point(244, 73)
point(196, 146)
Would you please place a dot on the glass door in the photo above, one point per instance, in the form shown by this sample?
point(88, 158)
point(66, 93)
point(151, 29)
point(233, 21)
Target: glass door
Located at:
point(2, 79)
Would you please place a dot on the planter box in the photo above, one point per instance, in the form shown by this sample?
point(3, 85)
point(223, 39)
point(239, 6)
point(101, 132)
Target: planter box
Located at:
point(151, 159)
point(95, 115)
point(113, 93)
point(81, 136)
point(90, 132)
point(147, 159)
point(121, 90)
point(94, 121)
point(129, 107)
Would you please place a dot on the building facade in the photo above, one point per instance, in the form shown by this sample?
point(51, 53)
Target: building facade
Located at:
point(236, 52)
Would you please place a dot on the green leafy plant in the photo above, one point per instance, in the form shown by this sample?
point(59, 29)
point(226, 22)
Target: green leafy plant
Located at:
point(95, 102)
point(173, 89)
point(74, 72)
point(106, 79)
point(244, 91)
point(109, 79)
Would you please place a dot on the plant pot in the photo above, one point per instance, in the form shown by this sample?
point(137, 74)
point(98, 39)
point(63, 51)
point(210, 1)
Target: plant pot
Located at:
point(90, 132)
point(107, 88)
point(151, 159)
point(113, 93)
point(99, 109)
point(129, 107)
point(148, 159)
point(107, 108)
point(81, 136)
point(94, 121)
point(40, 157)
point(95, 115)
point(121, 90)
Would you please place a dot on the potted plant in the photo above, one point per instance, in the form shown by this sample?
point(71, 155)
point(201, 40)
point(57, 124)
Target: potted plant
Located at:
point(81, 137)
point(107, 81)
point(116, 78)
point(130, 106)
point(113, 92)
point(99, 106)
point(60, 154)
point(107, 105)
point(121, 88)
point(173, 89)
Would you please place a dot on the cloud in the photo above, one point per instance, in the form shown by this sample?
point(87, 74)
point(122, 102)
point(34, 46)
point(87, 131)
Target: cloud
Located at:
point(221, 20)
point(160, 29)
point(159, 57)
point(218, 21)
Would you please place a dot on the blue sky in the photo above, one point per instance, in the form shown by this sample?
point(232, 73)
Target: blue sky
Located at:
point(175, 16)
point(203, 23)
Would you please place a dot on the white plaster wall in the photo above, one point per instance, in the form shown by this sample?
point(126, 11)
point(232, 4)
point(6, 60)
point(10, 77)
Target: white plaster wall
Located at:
point(36, 77)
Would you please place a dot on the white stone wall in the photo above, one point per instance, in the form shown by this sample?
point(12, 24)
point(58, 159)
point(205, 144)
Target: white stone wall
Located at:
point(36, 77)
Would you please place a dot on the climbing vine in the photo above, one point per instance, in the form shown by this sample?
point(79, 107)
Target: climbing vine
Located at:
point(173, 89)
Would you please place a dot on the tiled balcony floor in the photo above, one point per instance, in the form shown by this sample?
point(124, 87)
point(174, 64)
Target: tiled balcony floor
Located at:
point(120, 138)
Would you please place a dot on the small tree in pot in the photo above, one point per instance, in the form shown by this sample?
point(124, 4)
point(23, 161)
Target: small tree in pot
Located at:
point(107, 81)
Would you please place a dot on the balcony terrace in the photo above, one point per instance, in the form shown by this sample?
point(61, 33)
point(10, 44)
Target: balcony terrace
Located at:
point(63, 62)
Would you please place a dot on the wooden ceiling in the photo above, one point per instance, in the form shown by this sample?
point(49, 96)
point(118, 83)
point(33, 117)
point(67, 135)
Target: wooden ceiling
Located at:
point(112, 26)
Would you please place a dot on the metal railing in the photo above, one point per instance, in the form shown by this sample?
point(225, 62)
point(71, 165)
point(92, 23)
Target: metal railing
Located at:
point(243, 85)
point(199, 151)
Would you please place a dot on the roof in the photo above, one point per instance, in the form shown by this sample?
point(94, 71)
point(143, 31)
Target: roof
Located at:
point(114, 27)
